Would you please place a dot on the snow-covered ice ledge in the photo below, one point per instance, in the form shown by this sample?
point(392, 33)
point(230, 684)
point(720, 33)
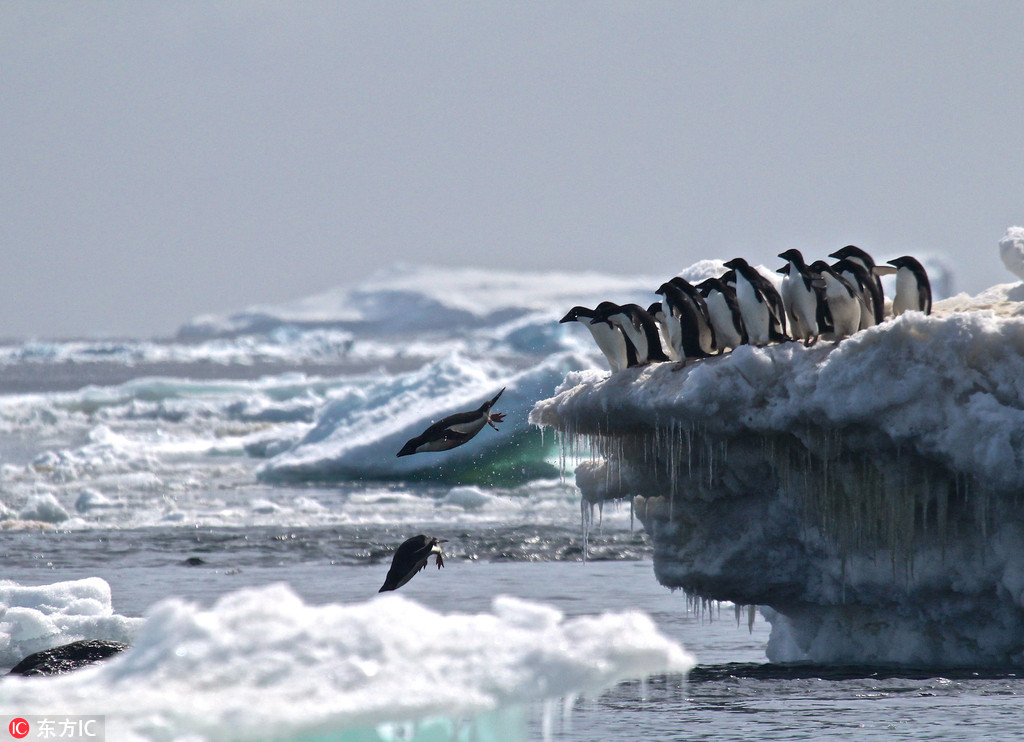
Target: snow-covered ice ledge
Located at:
point(869, 494)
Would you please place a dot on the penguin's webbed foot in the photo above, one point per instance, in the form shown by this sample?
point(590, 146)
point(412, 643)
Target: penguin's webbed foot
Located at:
point(495, 417)
point(439, 560)
point(679, 366)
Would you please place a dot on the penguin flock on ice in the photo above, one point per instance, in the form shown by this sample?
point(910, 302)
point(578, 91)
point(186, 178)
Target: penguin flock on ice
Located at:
point(742, 306)
point(691, 322)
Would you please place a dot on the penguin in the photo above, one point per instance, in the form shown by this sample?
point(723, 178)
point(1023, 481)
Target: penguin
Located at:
point(864, 283)
point(708, 342)
point(609, 339)
point(801, 295)
point(724, 313)
point(913, 290)
point(657, 310)
point(638, 326)
point(854, 253)
point(764, 315)
point(410, 558)
point(683, 320)
point(454, 430)
point(844, 303)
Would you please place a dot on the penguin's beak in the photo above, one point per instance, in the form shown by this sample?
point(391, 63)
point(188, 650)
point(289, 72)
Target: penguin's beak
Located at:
point(496, 396)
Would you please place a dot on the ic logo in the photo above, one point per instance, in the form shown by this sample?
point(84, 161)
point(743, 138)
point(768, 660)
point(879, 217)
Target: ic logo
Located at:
point(18, 728)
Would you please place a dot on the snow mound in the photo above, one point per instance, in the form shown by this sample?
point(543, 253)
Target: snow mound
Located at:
point(261, 664)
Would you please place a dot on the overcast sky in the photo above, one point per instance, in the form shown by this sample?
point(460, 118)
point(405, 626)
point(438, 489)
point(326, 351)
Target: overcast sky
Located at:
point(160, 160)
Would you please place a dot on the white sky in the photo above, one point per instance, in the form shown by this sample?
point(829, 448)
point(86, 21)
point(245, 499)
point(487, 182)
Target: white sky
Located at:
point(160, 160)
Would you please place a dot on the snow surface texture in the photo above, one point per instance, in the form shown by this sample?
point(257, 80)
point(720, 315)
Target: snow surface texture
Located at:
point(261, 664)
point(867, 492)
point(37, 618)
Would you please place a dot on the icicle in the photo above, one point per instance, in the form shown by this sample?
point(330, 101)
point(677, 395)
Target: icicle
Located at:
point(548, 720)
point(751, 615)
point(567, 705)
point(643, 689)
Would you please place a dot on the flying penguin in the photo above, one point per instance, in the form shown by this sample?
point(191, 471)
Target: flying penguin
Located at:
point(763, 312)
point(609, 338)
point(801, 295)
point(410, 558)
point(855, 254)
point(454, 430)
point(724, 313)
point(913, 290)
point(844, 303)
point(638, 326)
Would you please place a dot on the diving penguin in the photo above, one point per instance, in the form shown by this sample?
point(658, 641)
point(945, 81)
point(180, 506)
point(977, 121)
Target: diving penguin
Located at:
point(913, 290)
point(454, 430)
point(410, 558)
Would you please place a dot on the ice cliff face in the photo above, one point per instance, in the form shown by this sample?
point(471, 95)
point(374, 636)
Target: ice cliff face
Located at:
point(868, 494)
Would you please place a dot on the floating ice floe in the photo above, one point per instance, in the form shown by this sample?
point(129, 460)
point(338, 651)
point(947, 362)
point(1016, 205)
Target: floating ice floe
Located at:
point(262, 665)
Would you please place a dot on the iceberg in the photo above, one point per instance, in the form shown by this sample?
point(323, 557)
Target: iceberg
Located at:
point(866, 494)
point(261, 664)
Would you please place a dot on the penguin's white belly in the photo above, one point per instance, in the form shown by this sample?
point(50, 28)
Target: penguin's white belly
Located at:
point(675, 331)
point(805, 310)
point(906, 299)
point(472, 427)
point(845, 311)
point(637, 337)
point(611, 343)
point(721, 320)
point(755, 313)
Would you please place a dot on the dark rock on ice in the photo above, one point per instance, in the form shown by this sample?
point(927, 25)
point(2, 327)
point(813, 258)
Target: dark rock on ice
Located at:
point(68, 657)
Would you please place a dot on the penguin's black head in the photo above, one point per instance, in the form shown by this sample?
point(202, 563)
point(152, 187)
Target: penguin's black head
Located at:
point(655, 309)
point(784, 270)
point(736, 263)
point(820, 266)
point(605, 310)
point(852, 251)
point(575, 313)
point(706, 286)
point(908, 262)
point(728, 277)
point(792, 254)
